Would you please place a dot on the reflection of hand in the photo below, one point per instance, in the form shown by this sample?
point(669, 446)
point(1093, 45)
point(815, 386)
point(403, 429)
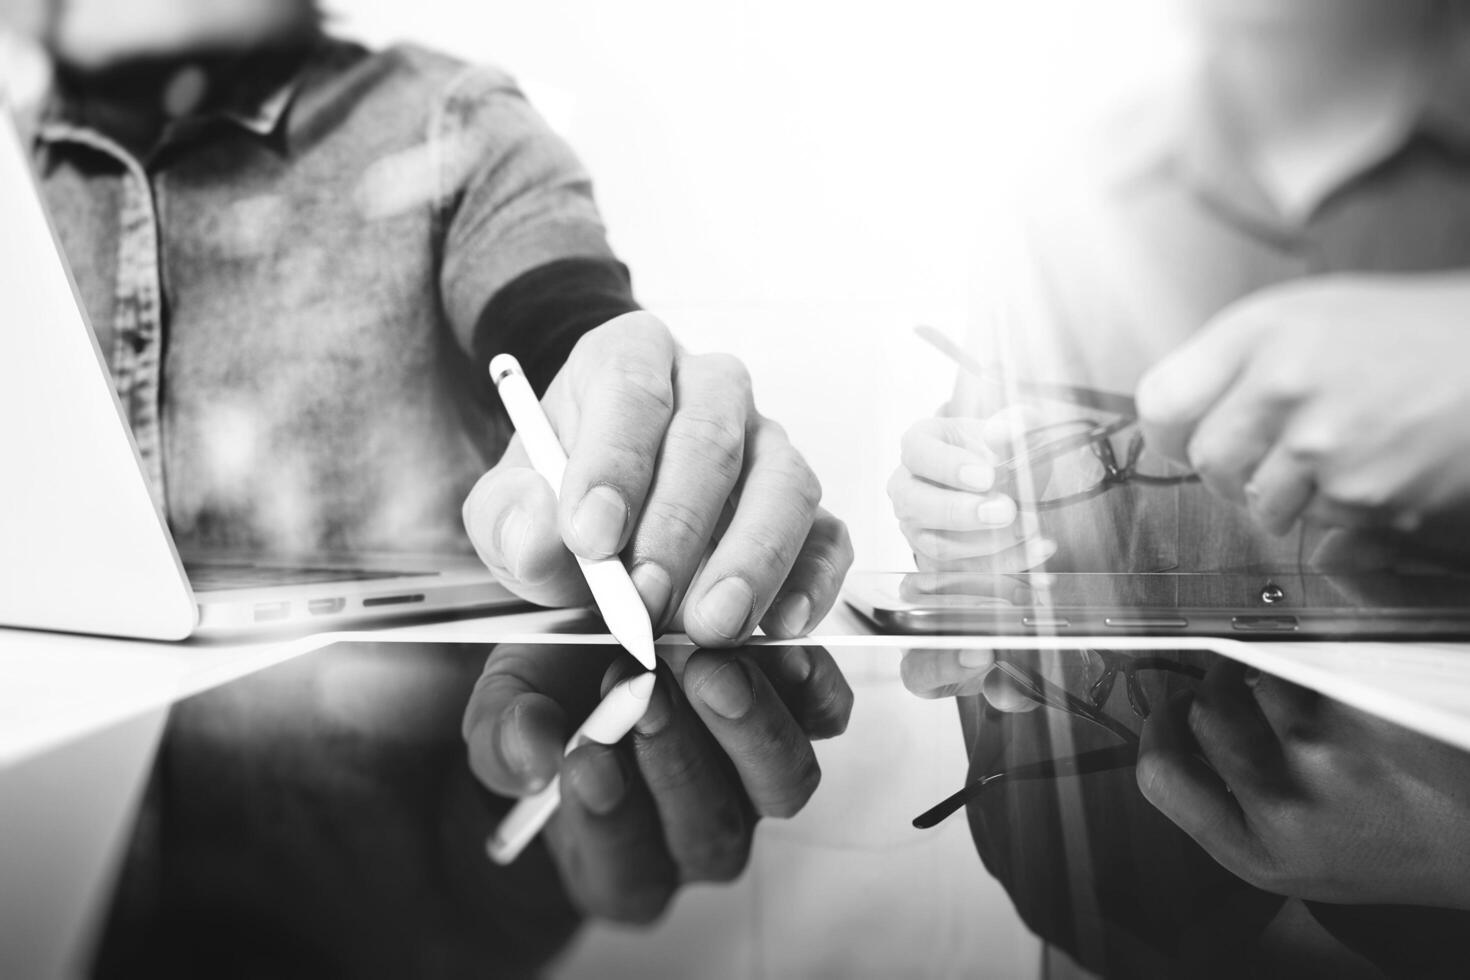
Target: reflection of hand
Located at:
point(1342, 398)
point(726, 740)
point(1305, 797)
point(936, 674)
point(942, 495)
point(659, 443)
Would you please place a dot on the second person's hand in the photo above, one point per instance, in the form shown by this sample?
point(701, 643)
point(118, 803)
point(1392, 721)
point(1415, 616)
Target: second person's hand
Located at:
point(947, 494)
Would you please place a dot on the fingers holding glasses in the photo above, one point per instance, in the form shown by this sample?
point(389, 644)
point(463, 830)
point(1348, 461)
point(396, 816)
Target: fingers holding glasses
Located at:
point(949, 452)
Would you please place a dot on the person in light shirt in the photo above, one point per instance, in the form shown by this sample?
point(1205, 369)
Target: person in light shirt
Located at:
point(1272, 254)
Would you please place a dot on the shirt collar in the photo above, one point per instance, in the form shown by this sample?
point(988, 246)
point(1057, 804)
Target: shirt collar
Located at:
point(258, 96)
point(1204, 154)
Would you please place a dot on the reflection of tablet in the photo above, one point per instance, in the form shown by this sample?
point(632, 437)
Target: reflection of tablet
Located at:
point(1301, 605)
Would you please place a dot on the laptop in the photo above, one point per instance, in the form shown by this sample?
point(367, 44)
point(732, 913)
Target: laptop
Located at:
point(83, 548)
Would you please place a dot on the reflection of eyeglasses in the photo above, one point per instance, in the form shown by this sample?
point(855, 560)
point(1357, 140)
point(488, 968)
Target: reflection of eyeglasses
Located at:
point(1058, 441)
point(1103, 669)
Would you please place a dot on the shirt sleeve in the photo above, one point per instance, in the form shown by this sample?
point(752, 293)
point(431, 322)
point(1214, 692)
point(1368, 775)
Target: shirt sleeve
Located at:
point(514, 197)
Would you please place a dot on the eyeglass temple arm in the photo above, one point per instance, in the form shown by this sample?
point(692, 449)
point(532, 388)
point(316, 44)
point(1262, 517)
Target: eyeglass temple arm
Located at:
point(1098, 760)
point(1094, 398)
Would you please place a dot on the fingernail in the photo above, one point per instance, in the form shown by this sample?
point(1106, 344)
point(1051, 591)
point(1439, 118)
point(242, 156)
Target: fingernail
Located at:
point(975, 659)
point(598, 521)
point(654, 588)
point(1040, 550)
point(726, 607)
point(794, 613)
point(660, 710)
point(1251, 676)
point(728, 691)
point(792, 665)
point(997, 512)
point(597, 779)
point(515, 749)
point(977, 477)
point(514, 527)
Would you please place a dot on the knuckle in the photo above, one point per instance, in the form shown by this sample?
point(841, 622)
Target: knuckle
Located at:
point(718, 439)
point(837, 555)
point(679, 520)
point(647, 385)
point(764, 553)
point(729, 369)
point(798, 479)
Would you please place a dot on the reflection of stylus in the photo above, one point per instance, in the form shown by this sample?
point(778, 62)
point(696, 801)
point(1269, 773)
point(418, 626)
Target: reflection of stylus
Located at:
point(609, 722)
point(613, 591)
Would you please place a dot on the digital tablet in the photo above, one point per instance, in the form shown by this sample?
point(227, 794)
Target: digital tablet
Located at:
point(1302, 605)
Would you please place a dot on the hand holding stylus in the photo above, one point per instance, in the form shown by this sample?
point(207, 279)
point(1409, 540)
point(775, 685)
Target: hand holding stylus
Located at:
point(659, 445)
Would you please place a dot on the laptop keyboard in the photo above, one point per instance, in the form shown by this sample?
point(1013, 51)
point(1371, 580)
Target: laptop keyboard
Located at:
point(215, 576)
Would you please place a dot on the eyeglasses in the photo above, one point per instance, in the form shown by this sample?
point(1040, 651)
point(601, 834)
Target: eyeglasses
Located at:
point(1090, 462)
point(1065, 447)
point(1101, 669)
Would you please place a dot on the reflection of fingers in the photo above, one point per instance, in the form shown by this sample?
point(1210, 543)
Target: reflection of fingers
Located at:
point(1003, 692)
point(510, 516)
point(768, 749)
point(1289, 709)
point(811, 685)
point(920, 502)
point(704, 814)
point(950, 452)
point(607, 839)
point(699, 464)
point(1230, 730)
point(1185, 789)
point(520, 714)
point(1280, 490)
point(775, 512)
point(815, 579)
point(945, 673)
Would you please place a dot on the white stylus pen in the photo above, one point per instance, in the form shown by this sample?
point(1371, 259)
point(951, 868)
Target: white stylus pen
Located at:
point(616, 596)
point(612, 719)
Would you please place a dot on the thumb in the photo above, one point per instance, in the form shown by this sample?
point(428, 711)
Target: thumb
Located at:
point(511, 519)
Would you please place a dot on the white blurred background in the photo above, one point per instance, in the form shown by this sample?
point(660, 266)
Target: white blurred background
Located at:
point(799, 182)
